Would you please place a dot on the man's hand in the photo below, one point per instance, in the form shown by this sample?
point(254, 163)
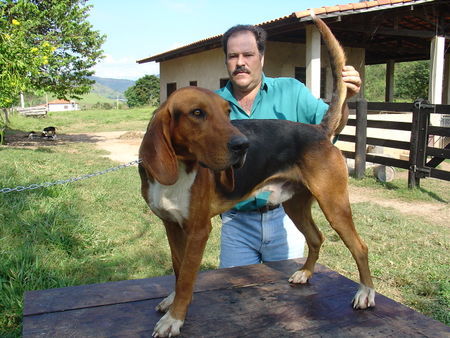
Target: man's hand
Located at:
point(352, 79)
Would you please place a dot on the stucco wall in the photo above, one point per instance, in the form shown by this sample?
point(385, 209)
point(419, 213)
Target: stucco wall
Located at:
point(63, 106)
point(207, 68)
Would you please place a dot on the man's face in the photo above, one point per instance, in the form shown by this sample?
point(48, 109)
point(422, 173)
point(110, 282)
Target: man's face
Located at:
point(244, 63)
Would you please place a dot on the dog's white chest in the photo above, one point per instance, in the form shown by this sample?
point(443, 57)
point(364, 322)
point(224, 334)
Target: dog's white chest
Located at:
point(171, 202)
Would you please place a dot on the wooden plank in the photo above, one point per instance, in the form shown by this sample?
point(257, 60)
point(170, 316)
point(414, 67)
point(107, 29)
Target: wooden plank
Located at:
point(385, 106)
point(251, 308)
point(377, 142)
point(393, 162)
point(439, 152)
point(440, 174)
point(384, 124)
point(439, 131)
point(94, 295)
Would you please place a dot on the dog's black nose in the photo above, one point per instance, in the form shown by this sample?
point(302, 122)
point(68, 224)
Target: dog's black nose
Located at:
point(238, 144)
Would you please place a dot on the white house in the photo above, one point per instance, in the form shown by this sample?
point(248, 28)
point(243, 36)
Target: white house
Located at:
point(62, 105)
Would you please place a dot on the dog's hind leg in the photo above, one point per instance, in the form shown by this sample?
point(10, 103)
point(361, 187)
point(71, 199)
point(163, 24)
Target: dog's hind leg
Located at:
point(298, 208)
point(330, 190)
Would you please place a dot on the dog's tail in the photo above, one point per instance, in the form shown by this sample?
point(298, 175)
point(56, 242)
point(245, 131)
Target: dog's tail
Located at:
point(333, 121)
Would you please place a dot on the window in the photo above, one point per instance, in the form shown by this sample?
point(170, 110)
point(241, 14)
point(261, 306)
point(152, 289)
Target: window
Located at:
point(300, 74)
point(193, 83)
point(171, 87)
point(223, 82)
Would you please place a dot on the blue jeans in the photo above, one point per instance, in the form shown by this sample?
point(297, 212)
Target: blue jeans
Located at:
point(251, 237)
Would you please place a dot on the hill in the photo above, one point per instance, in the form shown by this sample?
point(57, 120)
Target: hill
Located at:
point(116, 85)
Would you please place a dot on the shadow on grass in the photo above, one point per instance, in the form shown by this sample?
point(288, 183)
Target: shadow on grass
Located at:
point(48, 243)
point(19, 138)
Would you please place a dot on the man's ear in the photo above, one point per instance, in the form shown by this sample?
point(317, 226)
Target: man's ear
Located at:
point(156, 151)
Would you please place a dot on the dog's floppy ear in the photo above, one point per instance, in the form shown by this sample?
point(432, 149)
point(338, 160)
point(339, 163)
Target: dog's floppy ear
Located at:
point(225, 179)
point(156, 151)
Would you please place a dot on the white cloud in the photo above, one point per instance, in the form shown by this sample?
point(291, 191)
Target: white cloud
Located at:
point(124, 68)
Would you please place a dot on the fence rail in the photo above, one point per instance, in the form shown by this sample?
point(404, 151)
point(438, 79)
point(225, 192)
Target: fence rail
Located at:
point(418, 164)
point(33, 111)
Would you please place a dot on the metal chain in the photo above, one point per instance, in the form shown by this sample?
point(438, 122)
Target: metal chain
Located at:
point(69, 180)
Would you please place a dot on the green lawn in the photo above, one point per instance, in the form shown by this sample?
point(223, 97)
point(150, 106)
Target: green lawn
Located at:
point(100, 229)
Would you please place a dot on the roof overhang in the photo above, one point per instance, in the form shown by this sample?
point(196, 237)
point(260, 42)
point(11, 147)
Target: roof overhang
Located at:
point(398, 30)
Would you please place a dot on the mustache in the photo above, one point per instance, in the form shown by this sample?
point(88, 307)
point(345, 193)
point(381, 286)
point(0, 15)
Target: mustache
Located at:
point(241, 69)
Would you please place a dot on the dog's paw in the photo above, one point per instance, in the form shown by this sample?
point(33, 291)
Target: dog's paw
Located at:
point(167, 326)
point(300, 277)
point(166, 303)
point(364, 298)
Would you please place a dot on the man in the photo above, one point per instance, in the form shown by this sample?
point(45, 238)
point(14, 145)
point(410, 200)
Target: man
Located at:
point(252, 232)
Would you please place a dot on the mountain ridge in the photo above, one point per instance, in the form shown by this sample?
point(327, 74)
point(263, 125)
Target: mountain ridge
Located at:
point(110, 88)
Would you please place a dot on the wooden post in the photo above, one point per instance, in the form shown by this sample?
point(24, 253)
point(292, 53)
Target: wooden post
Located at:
point(414, 181)
point(389, 92)
point(361, 138)
point(419, 144)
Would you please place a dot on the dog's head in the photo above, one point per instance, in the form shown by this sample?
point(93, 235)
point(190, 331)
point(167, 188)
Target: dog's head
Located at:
point(192, 125)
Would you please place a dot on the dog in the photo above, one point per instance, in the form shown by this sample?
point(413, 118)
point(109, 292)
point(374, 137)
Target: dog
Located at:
point(49, 132)
point(32, 135)
point(196, 163)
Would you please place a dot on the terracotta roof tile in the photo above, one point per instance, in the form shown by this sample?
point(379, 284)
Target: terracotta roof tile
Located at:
point(59, 102)
point(371, 4)
point(359, 5)
point(356, 6)
point(331, 9)
point(320, 10)
point(346, 7)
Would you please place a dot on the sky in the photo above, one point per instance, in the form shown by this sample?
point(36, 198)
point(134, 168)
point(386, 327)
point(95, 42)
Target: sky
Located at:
point(137, 29)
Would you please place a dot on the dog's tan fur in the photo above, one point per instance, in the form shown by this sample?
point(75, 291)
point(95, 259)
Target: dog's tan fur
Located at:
point(188, 177)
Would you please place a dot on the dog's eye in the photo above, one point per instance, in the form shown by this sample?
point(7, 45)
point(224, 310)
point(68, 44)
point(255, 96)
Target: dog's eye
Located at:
point(198, 113)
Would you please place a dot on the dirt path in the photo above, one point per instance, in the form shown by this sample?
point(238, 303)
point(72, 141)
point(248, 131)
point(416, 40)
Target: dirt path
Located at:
point(123, 147)
point(435, 212)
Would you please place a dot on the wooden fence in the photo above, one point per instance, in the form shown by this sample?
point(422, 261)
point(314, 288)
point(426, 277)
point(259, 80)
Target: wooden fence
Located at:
point(39, 111)
point(423, 158)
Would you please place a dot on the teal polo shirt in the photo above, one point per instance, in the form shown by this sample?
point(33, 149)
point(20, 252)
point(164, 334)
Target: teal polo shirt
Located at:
point(278, 98)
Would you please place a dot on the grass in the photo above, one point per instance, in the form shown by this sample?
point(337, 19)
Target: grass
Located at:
point(86, 121)
point(100, 229)
point(430, 190)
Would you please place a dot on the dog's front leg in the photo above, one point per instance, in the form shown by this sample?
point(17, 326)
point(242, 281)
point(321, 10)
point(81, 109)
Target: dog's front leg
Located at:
point(187, 246)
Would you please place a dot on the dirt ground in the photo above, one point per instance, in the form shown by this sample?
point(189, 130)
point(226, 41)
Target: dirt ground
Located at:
point(123, 147)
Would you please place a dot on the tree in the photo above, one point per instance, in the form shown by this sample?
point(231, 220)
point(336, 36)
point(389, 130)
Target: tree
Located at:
point(46, 45)
point(145, 91)
point(19, 60)
point(375, 83)
point(411, 80)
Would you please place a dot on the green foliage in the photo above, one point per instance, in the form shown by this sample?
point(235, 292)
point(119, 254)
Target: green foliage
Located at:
point(375, 83)
point(145, 91)
point(83, 121)
point(410, 81)
point(100, 229)
point(47, 46)
point(23, 52)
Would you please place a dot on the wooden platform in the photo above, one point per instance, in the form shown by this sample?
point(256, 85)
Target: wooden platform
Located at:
point(253, 301)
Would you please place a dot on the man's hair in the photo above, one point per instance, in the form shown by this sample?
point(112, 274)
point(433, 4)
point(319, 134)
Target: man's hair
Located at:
point(259, 33)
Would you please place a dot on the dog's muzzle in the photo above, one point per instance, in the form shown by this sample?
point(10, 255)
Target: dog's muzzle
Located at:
point(238, 147)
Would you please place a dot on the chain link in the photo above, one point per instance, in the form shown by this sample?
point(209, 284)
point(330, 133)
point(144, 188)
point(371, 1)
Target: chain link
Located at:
point(69, 180)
